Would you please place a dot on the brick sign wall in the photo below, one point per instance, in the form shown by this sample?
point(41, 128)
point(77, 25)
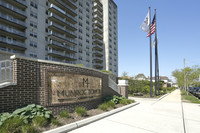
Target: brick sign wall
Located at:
point(57, 86)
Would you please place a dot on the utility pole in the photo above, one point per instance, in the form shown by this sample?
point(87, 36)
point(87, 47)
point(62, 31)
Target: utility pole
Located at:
point(184, 76)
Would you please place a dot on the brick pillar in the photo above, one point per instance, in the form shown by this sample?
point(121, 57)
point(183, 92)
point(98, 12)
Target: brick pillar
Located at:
point(123, 87)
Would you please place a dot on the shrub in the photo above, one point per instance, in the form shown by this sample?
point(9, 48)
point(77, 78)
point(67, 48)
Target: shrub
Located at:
point(31, 111)
point(81, 111)
point(28, 129)
point(111, 104)
point(3, 117)
point(125, 101)
point(11, 125)
point(103, 107)
point(64, 114)
point(79, 64)
point(55, 122)
point(146, 89)
point(39, 121)
point(106, 71)
point(116, 99)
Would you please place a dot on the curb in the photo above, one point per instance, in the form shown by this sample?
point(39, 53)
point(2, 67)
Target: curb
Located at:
point(163, 96)
point(81, 123)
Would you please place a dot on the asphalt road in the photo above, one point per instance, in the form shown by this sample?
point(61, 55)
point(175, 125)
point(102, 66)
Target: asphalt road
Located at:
point(168, 115)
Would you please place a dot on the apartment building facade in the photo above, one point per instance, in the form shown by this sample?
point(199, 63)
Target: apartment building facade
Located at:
point(110, 35)
point(70, 31)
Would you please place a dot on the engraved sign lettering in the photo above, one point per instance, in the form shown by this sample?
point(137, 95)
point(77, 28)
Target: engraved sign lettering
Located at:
point(68, 88)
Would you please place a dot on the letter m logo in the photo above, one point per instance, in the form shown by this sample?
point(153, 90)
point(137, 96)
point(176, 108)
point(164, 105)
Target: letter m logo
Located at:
point(85, 81)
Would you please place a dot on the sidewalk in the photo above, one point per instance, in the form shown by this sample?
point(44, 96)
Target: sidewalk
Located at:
point(150, 116)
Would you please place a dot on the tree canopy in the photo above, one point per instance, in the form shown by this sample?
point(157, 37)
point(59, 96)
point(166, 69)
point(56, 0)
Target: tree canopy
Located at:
point(189, 75)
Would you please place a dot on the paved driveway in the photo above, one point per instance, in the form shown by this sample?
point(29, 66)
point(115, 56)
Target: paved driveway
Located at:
point(151, 116)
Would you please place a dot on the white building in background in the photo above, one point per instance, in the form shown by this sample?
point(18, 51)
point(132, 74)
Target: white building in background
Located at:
point(70, 31)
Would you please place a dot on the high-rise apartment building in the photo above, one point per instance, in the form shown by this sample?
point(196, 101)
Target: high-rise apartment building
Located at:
point(70, 31)
point(110, 35)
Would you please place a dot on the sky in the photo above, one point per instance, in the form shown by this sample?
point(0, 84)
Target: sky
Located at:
point(178, 30)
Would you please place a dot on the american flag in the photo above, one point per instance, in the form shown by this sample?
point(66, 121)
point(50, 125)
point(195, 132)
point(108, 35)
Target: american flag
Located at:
point(153, 26)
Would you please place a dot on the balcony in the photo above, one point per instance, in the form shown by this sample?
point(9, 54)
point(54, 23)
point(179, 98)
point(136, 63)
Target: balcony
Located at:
point(12, 21)
point(62, 46)
point(98, 59)
point(97, 35)
point(98, 24)
point(60, 20)
point(97, 47)
point(98, 53)
point(13, 10)
point(61, 12)
point(12, 32)
point(12, 44)
point(63, 30)
point(62, 38)
point(98, 6)
point(71, 3)
point(100, 19)
point(98, 65)
point(60, 54)
point(19, 3)
point(98, 41)
point(67, 8)
point(97, 29)
point(98, 12)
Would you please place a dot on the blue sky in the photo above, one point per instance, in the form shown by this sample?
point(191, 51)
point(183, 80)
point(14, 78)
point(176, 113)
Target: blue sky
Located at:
point(178, 26)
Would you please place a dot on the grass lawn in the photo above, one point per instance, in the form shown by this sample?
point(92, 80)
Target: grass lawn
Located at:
point(189, 98)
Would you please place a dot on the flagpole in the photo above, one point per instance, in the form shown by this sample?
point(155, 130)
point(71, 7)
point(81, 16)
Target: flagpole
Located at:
point(155, 57)
point(150, 53)
point(156, 50)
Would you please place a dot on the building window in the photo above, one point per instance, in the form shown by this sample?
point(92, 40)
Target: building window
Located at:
point(88, 35)
point(33, 4)
point(34, 55)
point(80, 30)
point(80, 44)
point(80, 37)
point(87, 10)
point(88, 54)
point(87, 22)
point(87, 4)
point(33, 24)
point(80, 11)
point(87, 41)
point(80, 24)
point(80, 51)
point(87, 16)
point(80, 17)
point(33, 34)
point(33, 44)
point(87, 28)
point(80, 4)
point(33, 14)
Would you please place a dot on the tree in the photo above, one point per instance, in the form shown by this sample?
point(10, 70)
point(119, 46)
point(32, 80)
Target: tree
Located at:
point(189, 76)
point(140, 76)
point(124, 74)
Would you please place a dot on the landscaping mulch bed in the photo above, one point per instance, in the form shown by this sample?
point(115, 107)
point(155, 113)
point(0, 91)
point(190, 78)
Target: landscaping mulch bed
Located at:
point(73, 117)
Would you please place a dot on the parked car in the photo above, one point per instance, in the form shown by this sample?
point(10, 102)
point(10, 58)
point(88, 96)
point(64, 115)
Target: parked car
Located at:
point(190, 89)
point(195, 91)
point(198, 93)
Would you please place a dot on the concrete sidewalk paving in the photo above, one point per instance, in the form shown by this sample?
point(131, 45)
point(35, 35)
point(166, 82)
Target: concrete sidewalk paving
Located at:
point(163, 116)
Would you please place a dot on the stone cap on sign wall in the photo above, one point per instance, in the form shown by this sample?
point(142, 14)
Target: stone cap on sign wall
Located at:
point(54, 62)
point(123, 82)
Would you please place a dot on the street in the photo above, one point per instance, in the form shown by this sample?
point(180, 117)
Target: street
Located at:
point(167, 115)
